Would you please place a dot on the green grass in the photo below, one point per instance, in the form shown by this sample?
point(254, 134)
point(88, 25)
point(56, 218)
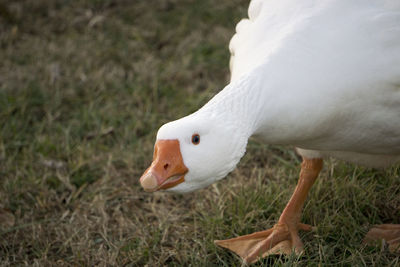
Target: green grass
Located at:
point(84, 86)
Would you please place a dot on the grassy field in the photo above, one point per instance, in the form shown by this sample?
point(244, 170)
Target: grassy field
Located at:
point(84, 86)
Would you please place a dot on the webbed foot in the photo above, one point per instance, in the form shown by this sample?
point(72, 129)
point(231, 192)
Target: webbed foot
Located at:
point(388, 232)
point(281, 239)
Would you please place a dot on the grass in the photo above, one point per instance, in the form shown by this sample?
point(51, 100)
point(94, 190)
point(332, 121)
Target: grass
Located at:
point(84, 86)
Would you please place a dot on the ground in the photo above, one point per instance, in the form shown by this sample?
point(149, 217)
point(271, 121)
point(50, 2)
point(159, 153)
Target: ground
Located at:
point(84, 86)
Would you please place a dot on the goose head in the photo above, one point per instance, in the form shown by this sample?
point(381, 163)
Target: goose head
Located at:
point(193, 152)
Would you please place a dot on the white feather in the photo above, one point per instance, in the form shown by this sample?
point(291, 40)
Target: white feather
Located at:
point(338, 68)
point(323, 76)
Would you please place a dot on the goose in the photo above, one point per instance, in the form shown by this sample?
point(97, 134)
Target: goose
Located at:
point(321, 76)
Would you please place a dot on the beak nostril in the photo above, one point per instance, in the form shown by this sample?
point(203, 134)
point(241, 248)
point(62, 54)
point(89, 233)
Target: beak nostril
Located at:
point(166, 166)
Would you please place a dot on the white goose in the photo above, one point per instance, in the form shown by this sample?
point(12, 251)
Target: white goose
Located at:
point(323, 76)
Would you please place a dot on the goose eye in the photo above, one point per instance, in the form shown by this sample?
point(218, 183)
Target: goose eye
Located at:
point(195, 139)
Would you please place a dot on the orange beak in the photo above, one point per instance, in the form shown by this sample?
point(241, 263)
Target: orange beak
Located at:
point(167, 169)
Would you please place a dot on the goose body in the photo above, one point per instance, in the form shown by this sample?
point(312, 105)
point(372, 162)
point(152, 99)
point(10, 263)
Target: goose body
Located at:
point(322, 76)
point(337, 72)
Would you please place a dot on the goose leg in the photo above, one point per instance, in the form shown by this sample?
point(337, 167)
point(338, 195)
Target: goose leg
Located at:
point(283, 238)
point(388, 232)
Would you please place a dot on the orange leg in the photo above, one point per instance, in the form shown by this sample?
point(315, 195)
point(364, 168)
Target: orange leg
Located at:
point(283, 237)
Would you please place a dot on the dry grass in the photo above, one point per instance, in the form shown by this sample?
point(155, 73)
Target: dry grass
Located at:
point(85, 84)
